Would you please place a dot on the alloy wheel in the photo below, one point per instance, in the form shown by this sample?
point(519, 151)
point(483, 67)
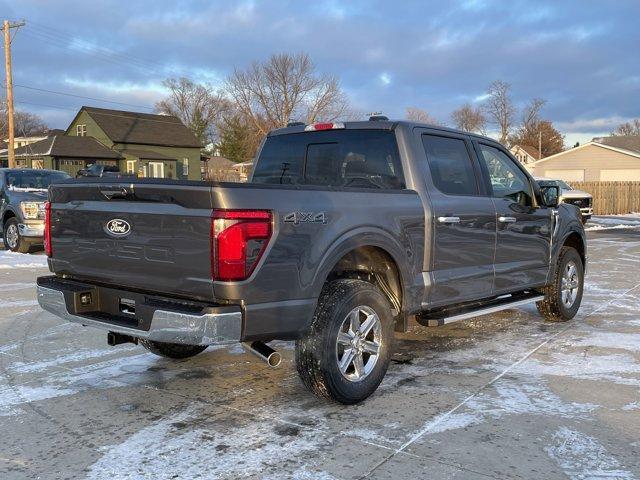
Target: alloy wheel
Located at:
point(358, 343)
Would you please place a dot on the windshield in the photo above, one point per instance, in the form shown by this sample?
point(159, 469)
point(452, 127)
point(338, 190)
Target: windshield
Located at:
point(554, 183)
point(33, 180)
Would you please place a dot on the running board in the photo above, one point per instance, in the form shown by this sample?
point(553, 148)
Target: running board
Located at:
point(504, 303)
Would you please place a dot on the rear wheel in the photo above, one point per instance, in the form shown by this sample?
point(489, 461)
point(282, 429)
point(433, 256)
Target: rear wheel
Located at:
point(12, 238)
point(346, 354)
point(562, 298)
point(172, 350)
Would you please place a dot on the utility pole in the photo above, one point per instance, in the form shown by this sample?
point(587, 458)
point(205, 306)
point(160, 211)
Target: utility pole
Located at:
point(539, 144)
point(6, 27)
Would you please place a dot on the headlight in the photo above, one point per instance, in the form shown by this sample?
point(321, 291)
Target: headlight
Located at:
point(32, 210)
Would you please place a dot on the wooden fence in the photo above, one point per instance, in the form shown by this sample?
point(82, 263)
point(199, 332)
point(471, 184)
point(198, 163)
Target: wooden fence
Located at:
point(612, 198)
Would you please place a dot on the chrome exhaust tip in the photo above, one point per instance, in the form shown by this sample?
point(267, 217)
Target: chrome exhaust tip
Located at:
point(264, 352)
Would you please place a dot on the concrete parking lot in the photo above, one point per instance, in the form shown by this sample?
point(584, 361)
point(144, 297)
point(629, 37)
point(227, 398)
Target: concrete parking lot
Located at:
point(502, 396)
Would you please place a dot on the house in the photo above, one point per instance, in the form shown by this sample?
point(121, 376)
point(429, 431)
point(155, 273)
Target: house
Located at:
point(61, 152)
point(150, 145)
point(602, 159)
point(244, 170)
point(220, 169)
point(525, 154)
point(21, 142)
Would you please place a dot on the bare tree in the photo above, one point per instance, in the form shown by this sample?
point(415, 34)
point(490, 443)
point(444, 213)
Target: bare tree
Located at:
point(499, 108)
point(416, 114)
point(627, 129)
point(25, 123)
point(199, 106)
point(284, 88)
point(531, 114)
point(470, 119)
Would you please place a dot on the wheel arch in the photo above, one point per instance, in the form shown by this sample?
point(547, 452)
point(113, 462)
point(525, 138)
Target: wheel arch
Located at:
point(575, 240)
point(375, 258)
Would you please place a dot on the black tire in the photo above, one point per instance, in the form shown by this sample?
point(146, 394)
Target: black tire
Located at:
point(552, 308)
point(176, 351)
point(17, 245)
point(317, 353)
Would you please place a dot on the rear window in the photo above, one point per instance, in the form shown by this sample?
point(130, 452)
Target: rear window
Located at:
point(338, 158)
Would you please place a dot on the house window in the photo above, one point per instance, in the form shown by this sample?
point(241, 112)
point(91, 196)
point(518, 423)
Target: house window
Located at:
point(131, 166)
point(81, 130)
point(185, 167)
point(156, 169)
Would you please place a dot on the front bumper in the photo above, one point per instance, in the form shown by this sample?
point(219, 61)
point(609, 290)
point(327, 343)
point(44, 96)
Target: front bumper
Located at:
point(211, 326)
point(31, 230)
point(586, 212)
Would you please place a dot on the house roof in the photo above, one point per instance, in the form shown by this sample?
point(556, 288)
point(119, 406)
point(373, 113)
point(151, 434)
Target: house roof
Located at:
point(147, 154)
point(630, 142)
point(219, 163)
point(67, 146)
point(142, 128)
point(533, 152)
point(596, 144)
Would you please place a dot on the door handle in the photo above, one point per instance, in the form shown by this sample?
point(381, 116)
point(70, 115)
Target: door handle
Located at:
point(507, 219)
point(449, 219)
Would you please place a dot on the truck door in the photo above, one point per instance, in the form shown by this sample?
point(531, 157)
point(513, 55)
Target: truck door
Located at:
point(524, 229)
point(464, 222)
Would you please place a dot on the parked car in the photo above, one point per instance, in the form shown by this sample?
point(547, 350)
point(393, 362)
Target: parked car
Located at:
point(97, 170)
point(22, 196)
point(345, 232)
point(582, 200)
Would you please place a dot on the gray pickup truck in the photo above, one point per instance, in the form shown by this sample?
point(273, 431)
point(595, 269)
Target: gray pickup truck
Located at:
point(23, 193)
point(344, 233)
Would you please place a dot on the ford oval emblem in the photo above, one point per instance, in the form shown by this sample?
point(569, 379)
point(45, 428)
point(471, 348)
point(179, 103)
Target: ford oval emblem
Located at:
point(118, 227)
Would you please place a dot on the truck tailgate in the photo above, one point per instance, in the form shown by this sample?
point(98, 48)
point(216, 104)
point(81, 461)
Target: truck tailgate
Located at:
point(148, 236)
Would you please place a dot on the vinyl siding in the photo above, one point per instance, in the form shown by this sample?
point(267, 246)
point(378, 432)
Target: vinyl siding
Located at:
point(592, 159)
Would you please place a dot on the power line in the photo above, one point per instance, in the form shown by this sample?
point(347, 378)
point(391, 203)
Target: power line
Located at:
point(81, 96)
point(64, 41)
point(107, 58)
point(52, 32)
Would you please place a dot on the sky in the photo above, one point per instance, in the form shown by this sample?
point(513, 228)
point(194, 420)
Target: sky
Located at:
point(581, 56)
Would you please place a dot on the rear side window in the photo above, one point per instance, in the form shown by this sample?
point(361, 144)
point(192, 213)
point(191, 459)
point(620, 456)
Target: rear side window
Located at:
point(337, 158)
point(450, 165)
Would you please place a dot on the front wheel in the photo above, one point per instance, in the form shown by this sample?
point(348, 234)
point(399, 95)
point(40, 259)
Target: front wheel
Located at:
point(176, 351)
point(562, 298)
point(347, 351)
point(12, 238)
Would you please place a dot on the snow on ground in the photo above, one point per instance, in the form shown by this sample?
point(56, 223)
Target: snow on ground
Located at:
point(582, 457)
point(609, 222)
point(9, 260)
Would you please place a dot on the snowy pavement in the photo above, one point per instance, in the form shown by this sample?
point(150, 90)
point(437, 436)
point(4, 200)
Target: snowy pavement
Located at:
point(503, 396)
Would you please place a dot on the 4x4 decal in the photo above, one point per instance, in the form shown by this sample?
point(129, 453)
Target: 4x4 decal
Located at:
point(305, 217)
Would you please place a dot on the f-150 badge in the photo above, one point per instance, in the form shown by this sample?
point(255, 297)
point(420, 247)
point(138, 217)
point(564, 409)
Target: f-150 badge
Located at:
point(305, 217)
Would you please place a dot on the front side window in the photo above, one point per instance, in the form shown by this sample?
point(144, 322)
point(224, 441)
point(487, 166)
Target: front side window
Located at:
point(337, 158)
point(450, 165)
point(507, 180)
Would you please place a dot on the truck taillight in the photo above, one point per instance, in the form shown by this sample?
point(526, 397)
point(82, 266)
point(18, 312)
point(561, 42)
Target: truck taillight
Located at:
point(314, 127)
point(238, 240)
point(47, 229)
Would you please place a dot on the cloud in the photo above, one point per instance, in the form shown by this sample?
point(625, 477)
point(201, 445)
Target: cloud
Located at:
point(579, 56)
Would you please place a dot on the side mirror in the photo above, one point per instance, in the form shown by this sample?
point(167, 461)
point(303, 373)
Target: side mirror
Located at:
point(550, 196)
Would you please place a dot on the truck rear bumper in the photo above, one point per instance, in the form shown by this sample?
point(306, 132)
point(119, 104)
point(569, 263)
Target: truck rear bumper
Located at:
point(213, 326)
